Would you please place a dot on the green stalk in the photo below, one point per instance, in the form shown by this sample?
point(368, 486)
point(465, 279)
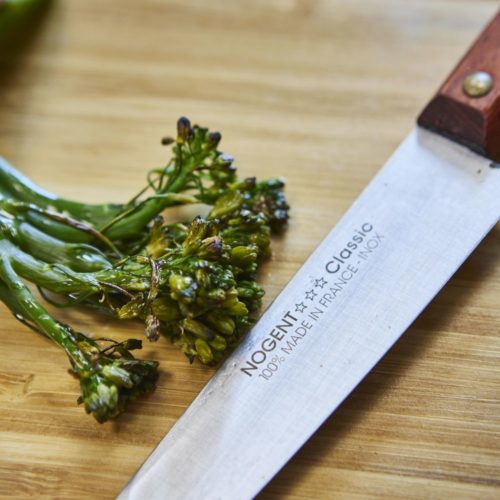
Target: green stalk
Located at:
point(117, 221)
point(25, 209)
point(194, 152)
point(15, 185)
point(61, 279)
point(63, 232)
point(77, 256)
point(10, 301)
point(55, 278)
point(109, 377)
point(32, 309)
point(132, 222)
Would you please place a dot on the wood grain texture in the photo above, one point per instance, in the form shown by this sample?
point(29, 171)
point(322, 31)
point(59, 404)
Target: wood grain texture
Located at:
point(472, 121)
point(320, 92)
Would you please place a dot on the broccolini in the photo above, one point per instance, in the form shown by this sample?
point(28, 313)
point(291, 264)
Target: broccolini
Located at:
point(191, 282)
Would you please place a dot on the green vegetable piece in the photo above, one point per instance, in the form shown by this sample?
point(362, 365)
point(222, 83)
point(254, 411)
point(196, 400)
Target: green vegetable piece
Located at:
point(218, 343)
point(198, 329)
point(182, 287)
point(221, 322)
point(203, 351)
point(194, 283)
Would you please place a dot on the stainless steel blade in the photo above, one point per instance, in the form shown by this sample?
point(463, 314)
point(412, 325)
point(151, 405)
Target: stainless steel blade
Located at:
point(396, 247)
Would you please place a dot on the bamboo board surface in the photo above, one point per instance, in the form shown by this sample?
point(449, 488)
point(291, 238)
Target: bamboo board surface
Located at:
point(319, 92)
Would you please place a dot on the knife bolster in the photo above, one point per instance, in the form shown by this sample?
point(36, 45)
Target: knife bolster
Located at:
point(471, 121)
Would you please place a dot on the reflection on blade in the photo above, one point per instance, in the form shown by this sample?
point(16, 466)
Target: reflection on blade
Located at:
point(400, 242)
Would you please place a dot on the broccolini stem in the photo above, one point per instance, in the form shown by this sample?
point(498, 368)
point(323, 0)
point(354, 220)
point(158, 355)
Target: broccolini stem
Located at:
point(132, 221)
point(77, 256)
point(56, 229)
point(33, 310)
point(117, 221)
point(20, 208)
point(109, 378)
point(10, 301)
point(13, 184)
point(57, 278)
point(61, 279)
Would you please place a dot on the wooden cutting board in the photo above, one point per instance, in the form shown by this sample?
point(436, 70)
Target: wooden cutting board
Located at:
point(319, 92)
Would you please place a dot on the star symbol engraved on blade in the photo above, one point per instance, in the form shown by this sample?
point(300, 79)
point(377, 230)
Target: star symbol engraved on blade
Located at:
point(310, 294)
point(300, 307)
point(320, 283)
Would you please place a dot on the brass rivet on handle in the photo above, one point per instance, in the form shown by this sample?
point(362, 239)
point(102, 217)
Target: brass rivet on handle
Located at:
point(478, 84)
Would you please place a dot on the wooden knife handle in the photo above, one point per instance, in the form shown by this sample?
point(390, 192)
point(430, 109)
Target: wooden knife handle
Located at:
point(456, 113)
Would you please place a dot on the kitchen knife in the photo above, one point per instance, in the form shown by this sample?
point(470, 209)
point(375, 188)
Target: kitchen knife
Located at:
point(396, 247)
